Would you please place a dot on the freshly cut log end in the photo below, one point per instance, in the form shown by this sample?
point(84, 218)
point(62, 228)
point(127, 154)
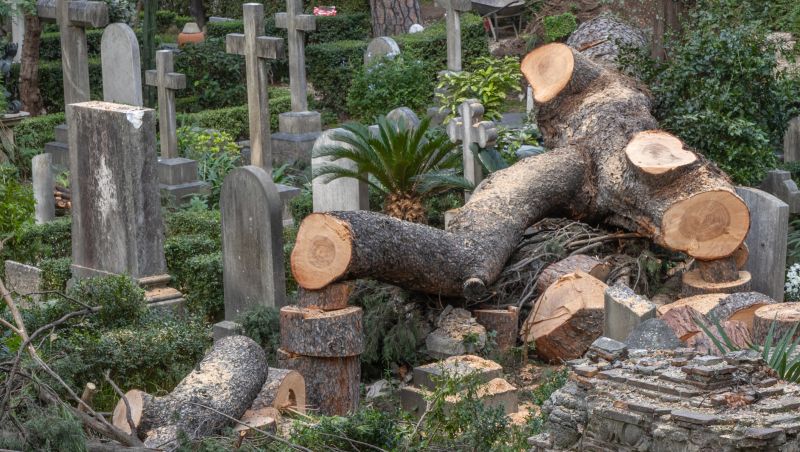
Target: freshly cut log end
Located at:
point(700, 303)
point(332, 384)
point(136, 399)
point(567, 318)
point(284, 390)
point(694, 284)
point(322, 252)
point(548, 69)
point(314, 332)
point(784, 315)
point(655, 152)
point(707, 226)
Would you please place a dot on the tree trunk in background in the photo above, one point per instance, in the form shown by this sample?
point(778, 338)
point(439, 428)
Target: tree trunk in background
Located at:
point(29, 92)
point(392, 17)
point(198, 11)
point(667, 20)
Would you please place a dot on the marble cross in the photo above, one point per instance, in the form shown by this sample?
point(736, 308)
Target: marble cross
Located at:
point(167, 82)
point(256, 48)
point(470, 129)
point(73, 17)
point(454, 8)
point(296, 24)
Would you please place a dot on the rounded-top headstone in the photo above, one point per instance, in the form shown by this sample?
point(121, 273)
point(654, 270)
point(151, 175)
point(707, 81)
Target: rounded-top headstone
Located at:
point(121, 63)
point(416, 28)
point(379, 48)
point(404, 114)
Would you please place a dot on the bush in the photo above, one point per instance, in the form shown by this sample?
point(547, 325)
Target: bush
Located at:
point(120, 299)
point(341, 27)
point(179, 251)
point(431, 44)
point(389, 84)
point(202, 285)
point(55, 273)
point(330, 69)
point(719, 91)
point(37, 242)
point(559, 26)
point(16, 203)
point(215, 78)
point(262, 324)
point(34, 132)
point(205, 223)
point(51, 83)
point(50, 47)
point(490, 81)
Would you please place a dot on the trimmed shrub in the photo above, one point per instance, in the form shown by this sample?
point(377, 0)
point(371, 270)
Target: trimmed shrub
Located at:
point(203, 285)
point(33, 133)
point(120, 299)
point(330, 69)
point(431, 44)
point(389, 84)
point(50, 47)
point(37, 242)
point(55, 273)
point(51, 83)
point(559, 26)
point(215, 78)
point(206, 223)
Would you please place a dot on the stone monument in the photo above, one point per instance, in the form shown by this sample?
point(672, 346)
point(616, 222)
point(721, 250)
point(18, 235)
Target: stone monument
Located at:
point(122, 67)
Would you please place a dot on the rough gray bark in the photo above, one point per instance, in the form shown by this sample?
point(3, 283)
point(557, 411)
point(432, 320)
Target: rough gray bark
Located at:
point(313, 332)
point(601, 38)
point(394, 17)
point(332, 384)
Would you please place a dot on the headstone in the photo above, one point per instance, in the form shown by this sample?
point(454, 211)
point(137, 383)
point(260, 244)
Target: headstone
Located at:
point(791, 141)
point(381, 47)
point(767, 241)
point(624, 311)
point(339, 194)
point(779, 183)
point(116, 209)
point(43, 186)
point(468, 129)
point(177, 175)
point(298, 129)
point(122, 68)
point(404, 114)
point(252, 242)
point(453, 9)
point(256, 48)
point(72, 17)
point(23, 280)
point(416, 28)
point(18, 32)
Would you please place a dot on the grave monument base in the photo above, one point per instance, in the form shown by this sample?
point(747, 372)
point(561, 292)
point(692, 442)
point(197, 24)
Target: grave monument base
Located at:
point(158, 294)
point(177, 179)
point(297, 132)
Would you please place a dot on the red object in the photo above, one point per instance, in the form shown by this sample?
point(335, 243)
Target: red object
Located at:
point(324, 10)
point(191, 38)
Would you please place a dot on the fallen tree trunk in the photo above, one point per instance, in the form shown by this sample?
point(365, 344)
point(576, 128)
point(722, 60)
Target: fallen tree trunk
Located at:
point(608, 164)
point(221, 387)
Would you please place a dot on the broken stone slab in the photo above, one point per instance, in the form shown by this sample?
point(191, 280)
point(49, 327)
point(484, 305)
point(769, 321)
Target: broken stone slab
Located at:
point(456, 366)
point(607, 349)
point(496, 393)
point(458, 333)
point(624, 311)
point(23, 280)
point(653, 334)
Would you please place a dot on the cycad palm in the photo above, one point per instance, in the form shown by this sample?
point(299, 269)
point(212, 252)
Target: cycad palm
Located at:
point(404, 163)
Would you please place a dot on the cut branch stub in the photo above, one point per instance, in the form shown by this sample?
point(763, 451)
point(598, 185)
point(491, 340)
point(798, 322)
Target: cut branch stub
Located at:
point(324, 253)
point(657, 153)
point(553, 69)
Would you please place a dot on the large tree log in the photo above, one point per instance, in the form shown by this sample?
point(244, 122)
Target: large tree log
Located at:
point(332, 384)
point(784, 316)
point(570, 264)
point(588, 115)
point(222, 386)
point(329, 334)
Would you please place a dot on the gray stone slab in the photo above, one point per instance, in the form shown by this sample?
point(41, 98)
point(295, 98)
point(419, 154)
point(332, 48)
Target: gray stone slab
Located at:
point(404, 114)
point(296, 24)
point(791, 141)
point(167, 82)
point(779, 183)
point(381, 47)
point(23, 279)
point(454, 367)
point(299, 122)
point(252, 242)
point(43, 185)
point(183, 193)
point(121, 63)
point(624, 311)
point(176, 171)
point(226, 328)
point(767, 241)
point(293, 148)
point(653, 334)
point(62, 133)
point(339, 194)
point(287, 193)
point(59, 153)
point(116, 210)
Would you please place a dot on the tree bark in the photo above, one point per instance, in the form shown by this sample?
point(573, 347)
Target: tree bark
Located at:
point(198, 11)
point(588, 114)
point(330, 298)
point(284, 389)
point(695, 284)
point(332, 384)
point(785, 316)
point(505, 322)
point(571, 264)
point(394, 17)
point(313, 332)
point(30, 95)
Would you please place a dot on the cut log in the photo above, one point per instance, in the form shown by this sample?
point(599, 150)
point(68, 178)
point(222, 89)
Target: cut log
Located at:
point(571, 264)
point(567, 318)
point(332, 384)
point(313, 332)
point(737, 332)
point(284, 390)
point(739, 307)
point(683, 321)
point(505, 322)
point(264, 419)
point(719, 270)
point(332, 297)
point(658, 154)
point(588, 115)
point(741, 255)
point(784, 315)
point(222, 386)
point(694, 284)
point(700, 303)
point(88, 394)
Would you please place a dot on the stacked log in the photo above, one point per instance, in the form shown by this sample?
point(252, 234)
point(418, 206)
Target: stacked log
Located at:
point(322, 338)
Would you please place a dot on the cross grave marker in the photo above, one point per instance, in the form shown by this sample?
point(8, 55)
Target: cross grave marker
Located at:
point(469, 128)
point(296, 25)
point(454, 8)
point(256, 48)
point(167, 82)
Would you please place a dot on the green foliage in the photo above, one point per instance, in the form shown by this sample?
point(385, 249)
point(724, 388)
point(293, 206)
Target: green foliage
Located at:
point(55, 273)
point(720, 92)
point(330, 69)
point(194, 222)
point(489, 81)
point(559, 26)
point(167, 19)
point(215, 77)
point(552, 383)
point(400, 160)
point(509, 140)
point(37, 242)
point(262, 324)
point(202, 285)
point(776, 15)
point(51, 83)
point(388, 84)
point(302, 205)
point(430, 45)
point(436, 206)
point(120, 299)
point(50, 46)
point(55, 429)
point(366, 427)
point(30, 137)
point(16, 203)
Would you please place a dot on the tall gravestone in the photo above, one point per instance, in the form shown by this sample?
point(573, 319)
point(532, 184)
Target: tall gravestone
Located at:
point(122, 67)
point(72, 17)
point(298, 129)
point(470, 129)
point(780, 184)
point(252, 242)
point(766, 240)
point(43, 185)
point(339, 194)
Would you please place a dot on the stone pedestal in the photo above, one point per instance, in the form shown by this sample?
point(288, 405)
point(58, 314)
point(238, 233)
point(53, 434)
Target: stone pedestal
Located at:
point(177, 179)
point(9, 121)
point(43, 185)
point(297, 132)
point(59, 148)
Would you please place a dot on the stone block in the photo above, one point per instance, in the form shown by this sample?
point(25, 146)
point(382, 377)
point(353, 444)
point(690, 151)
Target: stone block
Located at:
point(226, 328)
point(122, 72)
point(608, 349)
point(60, 152)
point(791, 141)
point(176, 306)
point(23, 279)
point(43, 185)
point(292, 148)
point(300, 122)
point(339, 194)
point(653, 334)
point(62, 133)
point(495, 393)
point(183, 193)
point(176, 171)
point(456, 366)
point(624, 311)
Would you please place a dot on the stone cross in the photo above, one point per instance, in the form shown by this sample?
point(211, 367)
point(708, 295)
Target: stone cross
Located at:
point(73, 17)
point(453, 9)
point(256, 48)
point(296, 24)
point(470, 129)
point(167, 83)
point(122, 67)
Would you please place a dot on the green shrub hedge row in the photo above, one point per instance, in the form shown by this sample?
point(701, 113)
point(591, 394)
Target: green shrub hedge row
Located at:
point(341, 27)
point(51, 83)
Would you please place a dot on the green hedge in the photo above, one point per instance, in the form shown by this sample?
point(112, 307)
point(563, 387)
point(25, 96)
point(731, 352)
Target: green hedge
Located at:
point(33, 133)
point(342, 27)
point(330, 69)
point(39, 242)
point(431, 44)
point(50, 47)
point(51, 83)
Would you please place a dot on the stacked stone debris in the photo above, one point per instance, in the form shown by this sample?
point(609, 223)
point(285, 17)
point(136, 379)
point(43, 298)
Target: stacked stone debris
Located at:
point(620, 399)
point(493, 390)
point(322, 338)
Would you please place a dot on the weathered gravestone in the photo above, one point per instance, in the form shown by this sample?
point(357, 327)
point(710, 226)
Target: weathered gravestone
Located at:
point(453, 9)
point(779, 183)
point(339, 194)
point(469, 129)
point(122, 69)
point(116, 209)
point(252, 242)
point(381, 47)
point(402, 115)
point(72, 17)
point(298, 129)
point(23, 280)
point(791, 141)
point(256, 48)
point(769, 226)
point(177, 175)
point(43, 185)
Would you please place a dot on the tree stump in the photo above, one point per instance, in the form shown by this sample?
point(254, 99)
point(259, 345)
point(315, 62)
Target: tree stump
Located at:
point(330, 298)
point(505, 322)
point(313, 332)
point(694, 284)
point(784, 315)
point(332, 384)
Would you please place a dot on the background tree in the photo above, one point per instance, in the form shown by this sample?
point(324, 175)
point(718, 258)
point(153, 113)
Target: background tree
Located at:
point(392, 17)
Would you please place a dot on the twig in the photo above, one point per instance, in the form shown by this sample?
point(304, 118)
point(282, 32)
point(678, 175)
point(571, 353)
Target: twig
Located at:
point(605, 238)
point(124, 400)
